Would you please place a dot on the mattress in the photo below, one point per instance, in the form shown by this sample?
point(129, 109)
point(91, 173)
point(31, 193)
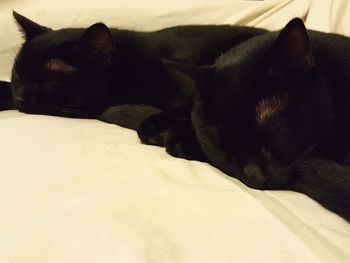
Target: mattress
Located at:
point(78, 190)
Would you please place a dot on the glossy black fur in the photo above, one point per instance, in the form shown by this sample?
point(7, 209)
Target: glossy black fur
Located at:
point(302, 78)
point(111, 66)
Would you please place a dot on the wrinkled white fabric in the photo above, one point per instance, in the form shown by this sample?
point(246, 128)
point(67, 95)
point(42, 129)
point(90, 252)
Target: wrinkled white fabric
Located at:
point(84, 191)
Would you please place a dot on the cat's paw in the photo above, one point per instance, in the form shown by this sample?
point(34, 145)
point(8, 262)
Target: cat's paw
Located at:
point(152, 130)
point(181, 141)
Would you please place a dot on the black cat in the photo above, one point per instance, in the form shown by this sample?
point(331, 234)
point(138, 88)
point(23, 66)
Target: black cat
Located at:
point(274, 112)
point(82, 72)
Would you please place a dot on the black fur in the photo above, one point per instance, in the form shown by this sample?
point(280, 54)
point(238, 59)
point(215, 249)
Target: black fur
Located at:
point(81, 72)
point(274, 112)
point(6, 102)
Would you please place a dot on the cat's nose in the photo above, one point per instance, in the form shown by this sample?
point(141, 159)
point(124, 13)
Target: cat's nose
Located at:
point(254, 177)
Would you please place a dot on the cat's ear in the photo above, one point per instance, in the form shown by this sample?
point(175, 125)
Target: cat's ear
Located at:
point(197, 79)
point(29, 28)
point(96, 43)
point(291, 49)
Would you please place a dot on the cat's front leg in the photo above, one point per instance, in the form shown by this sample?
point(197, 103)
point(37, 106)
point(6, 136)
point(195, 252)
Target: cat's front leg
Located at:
point(128, 115)
point(180, 141)
point(174, 132)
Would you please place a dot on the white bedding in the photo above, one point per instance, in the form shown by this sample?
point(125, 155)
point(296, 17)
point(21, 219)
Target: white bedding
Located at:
point(85, 191)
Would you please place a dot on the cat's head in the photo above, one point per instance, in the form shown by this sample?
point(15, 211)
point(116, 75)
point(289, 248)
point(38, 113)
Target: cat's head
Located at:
point(262, 108)
point(62, 72)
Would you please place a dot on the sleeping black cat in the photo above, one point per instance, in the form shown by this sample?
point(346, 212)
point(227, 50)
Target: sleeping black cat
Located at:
point(274, 112)
point(81, 72)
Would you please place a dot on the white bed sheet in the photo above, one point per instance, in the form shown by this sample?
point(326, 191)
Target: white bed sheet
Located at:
point(85, 191)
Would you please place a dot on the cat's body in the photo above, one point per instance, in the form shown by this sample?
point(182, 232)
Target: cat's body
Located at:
point(82, 72)
point(274, 112)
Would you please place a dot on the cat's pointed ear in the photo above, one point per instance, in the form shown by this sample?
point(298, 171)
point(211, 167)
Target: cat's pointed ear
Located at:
point(197, 79)
point(291, 49)
point(29, 28)
point(96, 43)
